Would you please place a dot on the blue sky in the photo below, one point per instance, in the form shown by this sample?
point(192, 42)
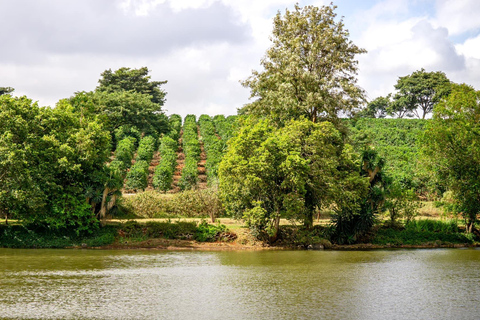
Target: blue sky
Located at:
point(205, 47)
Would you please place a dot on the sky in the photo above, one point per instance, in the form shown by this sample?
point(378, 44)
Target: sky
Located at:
point(51, 49)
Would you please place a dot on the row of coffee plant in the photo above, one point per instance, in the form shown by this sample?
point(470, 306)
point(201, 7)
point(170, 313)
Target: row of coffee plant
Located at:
point(225, 127)
point(137, 177)
point(213, 147)
point(175, 125)
point(163, 176)
point(191, 149)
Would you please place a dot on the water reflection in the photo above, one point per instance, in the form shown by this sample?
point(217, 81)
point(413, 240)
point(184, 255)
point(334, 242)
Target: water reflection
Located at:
point(86, 284)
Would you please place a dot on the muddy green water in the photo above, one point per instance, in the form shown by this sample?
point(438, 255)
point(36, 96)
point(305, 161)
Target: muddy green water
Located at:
point(97, 284)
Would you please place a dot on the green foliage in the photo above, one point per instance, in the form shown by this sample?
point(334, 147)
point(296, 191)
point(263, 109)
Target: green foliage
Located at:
point(450, 144)
point(127, 131)
point(419, 92)
point(225, 127)
point(137, 177)
point(6, 90)
point(376, 108)
point(49, 158)
point(146, 149)
point(190, 203)
point(191, 149)
point(34, 236)
point(396, 141)
point(204, 232)
point(175, 125)
point(422, 232)
point(209, 232)
point(135, 80)
point(125, 151)
point(163, 176)
point(309, 71)
point(352, 223)
point(213, 147)
point(289, 171)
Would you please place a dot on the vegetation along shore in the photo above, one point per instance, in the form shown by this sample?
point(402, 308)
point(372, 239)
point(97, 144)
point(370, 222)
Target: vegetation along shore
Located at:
point(309, 163)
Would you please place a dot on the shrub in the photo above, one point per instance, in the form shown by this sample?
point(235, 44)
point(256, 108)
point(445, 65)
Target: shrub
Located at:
point(125, 151)
point(175, 124)
point(191, 203)
point(137, 177)
point(189, 177)
point(209, 232)
point(163, 176)
point(146, 149)
point(213, 147)
point(191, 149)
point(145, 204)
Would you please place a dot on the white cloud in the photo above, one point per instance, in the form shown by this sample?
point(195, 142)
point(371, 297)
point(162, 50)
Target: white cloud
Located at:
point(458, 16)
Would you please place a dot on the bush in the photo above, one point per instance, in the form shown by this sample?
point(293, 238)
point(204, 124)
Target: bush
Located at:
point(163, 176)
point(189, 177)
point(175, 124)
point(178, 230)
point(209, 232)
point(192, 203)
point(146, 149)
point(213, 147)
point(191, 149)
point(137, 177)
point(125, 151)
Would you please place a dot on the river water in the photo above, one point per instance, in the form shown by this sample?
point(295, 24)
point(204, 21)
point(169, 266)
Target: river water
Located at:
point(140, 284)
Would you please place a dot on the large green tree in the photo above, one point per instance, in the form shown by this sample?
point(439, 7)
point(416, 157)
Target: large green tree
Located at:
point(419, 92)
point(270, 173)
point(451, 143)
point(49, 157)
point(125, 98)
point(310, 70)
point(137, 80)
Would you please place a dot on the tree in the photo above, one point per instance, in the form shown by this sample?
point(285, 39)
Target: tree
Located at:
point(6, 90)
point(353, 221)
point(268, 173)
point(310, 70)
point(419, 92)
point(451, 146)
point(122, 108)
point(49, 158)
point(376, 108)
point(137, 80)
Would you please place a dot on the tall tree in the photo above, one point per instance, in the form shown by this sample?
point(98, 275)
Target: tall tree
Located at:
point(451, 144)
point(48, 159)
point(137, 80)
point(419, 92)
point(376, 108)
point(289, 172)
point(310, 70)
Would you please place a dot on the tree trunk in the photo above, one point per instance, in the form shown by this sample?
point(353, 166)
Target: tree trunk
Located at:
point(103, 207)
point(277, 228)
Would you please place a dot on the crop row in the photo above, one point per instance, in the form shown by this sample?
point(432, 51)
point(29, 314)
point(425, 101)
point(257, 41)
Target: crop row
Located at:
point(225, 127)
point(213, 146)
point(163, 176)
point(137, 177)
point(175, 126)
point(191, 149)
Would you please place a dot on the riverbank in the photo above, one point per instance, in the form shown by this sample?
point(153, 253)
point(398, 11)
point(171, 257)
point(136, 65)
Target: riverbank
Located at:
point(194, 235)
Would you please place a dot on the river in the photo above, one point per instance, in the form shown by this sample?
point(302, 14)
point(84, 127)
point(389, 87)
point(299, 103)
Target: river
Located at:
point(142, 284)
